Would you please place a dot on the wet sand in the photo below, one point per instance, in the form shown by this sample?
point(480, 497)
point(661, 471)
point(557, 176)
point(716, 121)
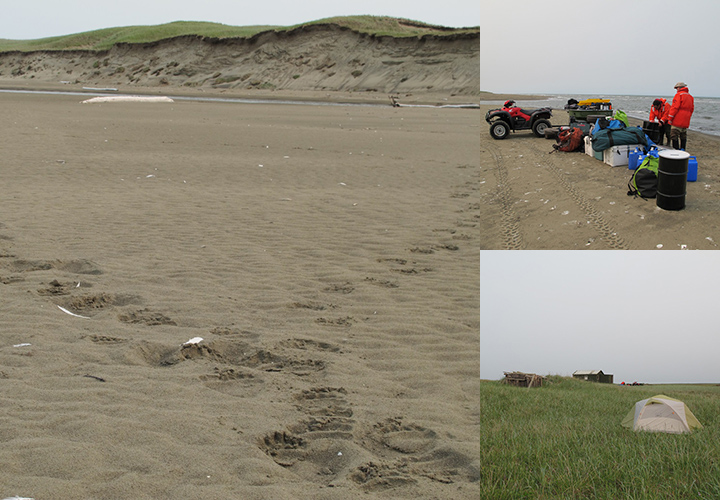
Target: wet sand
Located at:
point(327, 256)
point(562, 201)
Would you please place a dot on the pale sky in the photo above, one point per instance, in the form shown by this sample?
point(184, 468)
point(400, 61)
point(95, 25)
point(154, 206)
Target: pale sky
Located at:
point(31, 19)
point(648, 316)
point(604, 47)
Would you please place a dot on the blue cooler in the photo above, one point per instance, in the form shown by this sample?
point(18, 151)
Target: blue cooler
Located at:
point(692, 169)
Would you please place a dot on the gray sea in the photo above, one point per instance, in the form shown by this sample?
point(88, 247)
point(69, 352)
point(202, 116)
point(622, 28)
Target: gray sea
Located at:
point(706, 117)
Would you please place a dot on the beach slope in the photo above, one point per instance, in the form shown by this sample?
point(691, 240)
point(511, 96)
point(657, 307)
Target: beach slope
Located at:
point(327, 257)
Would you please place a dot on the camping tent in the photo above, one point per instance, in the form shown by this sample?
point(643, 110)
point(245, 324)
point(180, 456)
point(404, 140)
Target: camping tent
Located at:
point(661, 414)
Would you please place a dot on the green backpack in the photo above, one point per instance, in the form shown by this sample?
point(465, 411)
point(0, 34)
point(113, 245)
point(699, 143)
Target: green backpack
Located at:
point(622, 116)
point(644, 180)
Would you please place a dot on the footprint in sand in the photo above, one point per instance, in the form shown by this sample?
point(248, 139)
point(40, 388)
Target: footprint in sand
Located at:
point(340, 288)
point(319, 448)
point(105, 339)
point(90, 304)
point(383, 283)
point(377, 476)
point(309, 344)
point(313, 306)
point(412, 270)
point(395, 436)
point(233, 382)
point(55, 288)
point(228, 331)
point(270, 361)
point(404, 270)
point(347, 321)
point(423, 250)
point(407, 452)
point(146, 317)
point(8, 280)
point(71, 266)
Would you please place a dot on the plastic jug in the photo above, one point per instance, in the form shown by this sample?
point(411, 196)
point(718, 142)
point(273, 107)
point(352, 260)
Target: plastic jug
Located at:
point(633, 159)
point(692, 169)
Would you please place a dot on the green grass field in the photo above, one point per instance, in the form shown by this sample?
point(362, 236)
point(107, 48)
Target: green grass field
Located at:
point(564, 441)
point(105, 38)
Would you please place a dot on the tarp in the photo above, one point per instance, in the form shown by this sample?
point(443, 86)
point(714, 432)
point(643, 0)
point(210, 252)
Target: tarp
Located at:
point(661, 414)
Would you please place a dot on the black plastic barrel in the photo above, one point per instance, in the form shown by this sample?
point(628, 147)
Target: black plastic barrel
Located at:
point(672, 179)
point(652, 130)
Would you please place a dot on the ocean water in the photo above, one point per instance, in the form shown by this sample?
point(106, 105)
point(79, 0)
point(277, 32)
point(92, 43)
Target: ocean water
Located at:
point(706, 117)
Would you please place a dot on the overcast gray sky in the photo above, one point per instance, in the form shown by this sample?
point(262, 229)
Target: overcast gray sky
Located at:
point(31, 19)
point(642, 316)
point(621, 47)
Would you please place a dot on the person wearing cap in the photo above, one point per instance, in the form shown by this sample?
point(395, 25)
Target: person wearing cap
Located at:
point(681, 110)
point(659, 111)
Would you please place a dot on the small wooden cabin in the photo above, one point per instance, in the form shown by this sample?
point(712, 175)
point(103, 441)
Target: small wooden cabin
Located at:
point(521, 379)
point(594, 376)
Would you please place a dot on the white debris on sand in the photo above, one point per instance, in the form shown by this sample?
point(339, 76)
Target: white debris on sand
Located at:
point(128, 98)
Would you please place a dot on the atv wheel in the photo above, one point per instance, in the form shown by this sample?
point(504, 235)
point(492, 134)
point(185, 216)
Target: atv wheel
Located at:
point(499, 130)
point(539, 127)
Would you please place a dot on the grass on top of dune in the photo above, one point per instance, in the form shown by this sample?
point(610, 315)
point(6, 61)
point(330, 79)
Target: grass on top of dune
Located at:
point(104, 39)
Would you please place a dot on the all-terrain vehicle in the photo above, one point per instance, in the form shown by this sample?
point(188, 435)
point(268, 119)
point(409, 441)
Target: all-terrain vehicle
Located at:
point(510, 117)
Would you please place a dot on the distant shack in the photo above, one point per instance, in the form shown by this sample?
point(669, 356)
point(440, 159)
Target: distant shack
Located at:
point(594, 376)
point(520, 379)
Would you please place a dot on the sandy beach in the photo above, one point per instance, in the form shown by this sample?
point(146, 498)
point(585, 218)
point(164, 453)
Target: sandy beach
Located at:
point(535, 200)
point(327, 256)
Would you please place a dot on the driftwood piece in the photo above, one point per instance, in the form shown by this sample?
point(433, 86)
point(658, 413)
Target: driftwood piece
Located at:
point(521, 379)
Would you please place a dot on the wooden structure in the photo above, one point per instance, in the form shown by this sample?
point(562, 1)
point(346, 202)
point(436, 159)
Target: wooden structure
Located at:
point(594, 376)
point(520, 379)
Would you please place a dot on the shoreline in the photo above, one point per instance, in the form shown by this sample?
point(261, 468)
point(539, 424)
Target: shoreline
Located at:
point(489, 96)
point(336, 97)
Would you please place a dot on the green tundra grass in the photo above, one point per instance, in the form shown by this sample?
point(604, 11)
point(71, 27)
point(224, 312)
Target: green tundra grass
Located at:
point(564, 441)
point(105, 38)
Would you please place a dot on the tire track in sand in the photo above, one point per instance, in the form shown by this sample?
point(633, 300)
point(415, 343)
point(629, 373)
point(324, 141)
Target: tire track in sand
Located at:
point(509, 220)
point(606, 232)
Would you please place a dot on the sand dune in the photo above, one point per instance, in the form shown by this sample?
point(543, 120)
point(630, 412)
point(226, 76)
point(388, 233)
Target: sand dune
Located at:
point(324, 58)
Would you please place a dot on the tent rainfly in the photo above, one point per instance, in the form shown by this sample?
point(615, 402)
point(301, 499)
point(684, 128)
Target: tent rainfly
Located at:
point(661, 414)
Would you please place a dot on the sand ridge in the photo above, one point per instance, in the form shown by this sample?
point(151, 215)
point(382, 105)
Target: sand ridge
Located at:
point(322, 57)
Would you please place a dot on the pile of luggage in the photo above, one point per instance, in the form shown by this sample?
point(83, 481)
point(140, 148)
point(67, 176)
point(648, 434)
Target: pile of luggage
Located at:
point(612, 141)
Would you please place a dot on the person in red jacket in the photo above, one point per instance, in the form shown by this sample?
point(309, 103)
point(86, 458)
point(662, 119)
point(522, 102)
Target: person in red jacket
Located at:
point(659, 111)
point(681, 110)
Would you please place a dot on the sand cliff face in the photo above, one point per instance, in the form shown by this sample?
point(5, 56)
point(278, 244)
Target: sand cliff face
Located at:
point(316, 57)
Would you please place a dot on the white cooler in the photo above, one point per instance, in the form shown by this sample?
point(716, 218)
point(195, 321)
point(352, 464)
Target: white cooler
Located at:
point(617, 156)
